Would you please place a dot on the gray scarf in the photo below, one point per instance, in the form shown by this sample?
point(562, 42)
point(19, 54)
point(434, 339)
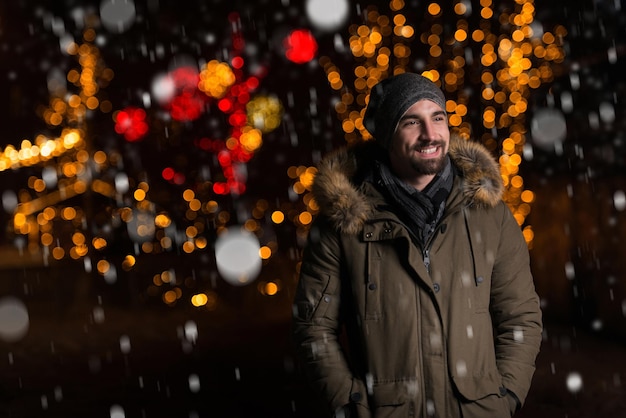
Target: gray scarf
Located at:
point(421, 211)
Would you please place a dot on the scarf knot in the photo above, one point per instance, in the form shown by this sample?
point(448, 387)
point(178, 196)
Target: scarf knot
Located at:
point(420, 210)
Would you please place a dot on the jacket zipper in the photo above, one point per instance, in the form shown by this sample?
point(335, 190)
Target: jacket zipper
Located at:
point(427, 259)
point(429, 244)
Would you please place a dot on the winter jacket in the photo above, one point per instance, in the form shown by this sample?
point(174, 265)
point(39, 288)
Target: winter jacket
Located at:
point(385, 328)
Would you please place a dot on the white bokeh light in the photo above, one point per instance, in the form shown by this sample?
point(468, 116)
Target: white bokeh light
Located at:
point(125, 344)
point(14, 320)
point(122, 184)
point(49, 176)
point(163, 88)
point(237, 256)
point(194, 383)
point(619, 200)
point(548, 129)
point(191, 331)
point(607, 112)
point(461, 368)
point(574, 382)
point(9, 200)
point(117, 15)
point(117, 412)
point(327, 15)
point(110, 275)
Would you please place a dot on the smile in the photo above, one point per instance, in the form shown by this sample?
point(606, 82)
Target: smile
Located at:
point(428, 151)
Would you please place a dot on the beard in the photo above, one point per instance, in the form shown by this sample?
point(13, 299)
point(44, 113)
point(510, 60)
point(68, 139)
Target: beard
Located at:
point(430, 166)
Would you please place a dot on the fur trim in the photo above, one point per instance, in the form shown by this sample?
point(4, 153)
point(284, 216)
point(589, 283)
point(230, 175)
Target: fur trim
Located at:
point(483, 183)
point(338, 198)
point(348, 208)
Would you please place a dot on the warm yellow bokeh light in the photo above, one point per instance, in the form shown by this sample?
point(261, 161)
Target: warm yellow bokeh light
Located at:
point(305, 218)
point(265, 252)
point(434, 9)
point(103, 266)
point(200, 299)
point(271, 288)
point(278, 217)
point(139, 195)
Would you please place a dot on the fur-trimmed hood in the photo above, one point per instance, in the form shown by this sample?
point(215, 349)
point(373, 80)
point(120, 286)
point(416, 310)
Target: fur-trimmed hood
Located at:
point(342, 198)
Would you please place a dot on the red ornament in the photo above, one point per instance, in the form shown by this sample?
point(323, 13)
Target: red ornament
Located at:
point(131, 122)
point(300, 46)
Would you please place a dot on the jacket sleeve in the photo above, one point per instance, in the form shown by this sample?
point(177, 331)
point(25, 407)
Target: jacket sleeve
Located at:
point(515, 309)
point(316, 317)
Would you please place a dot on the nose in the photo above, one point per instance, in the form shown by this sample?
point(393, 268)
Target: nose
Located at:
point(427, 131)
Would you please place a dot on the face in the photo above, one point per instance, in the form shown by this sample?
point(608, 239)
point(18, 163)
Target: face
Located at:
point(420, 143)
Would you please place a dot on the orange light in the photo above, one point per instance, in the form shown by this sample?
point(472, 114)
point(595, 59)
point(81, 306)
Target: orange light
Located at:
point(271, 289)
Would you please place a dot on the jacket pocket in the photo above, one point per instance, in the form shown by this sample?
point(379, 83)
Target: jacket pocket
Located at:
point(359, 406)
point(372, 290)
point(482, 294)
point(475, 388)
point(314, 295)
point(491, 405)
point(391, 400)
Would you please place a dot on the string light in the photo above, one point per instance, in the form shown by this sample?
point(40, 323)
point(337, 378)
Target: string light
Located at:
point(513, 61)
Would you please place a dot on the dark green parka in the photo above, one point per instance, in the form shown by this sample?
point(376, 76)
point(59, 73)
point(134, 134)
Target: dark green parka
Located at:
point(441, 331)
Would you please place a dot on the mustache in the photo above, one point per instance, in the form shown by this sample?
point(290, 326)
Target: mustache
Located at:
point(427, 144)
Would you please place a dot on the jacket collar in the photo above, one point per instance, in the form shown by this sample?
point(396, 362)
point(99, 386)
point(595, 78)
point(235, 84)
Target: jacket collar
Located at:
point(342, 195)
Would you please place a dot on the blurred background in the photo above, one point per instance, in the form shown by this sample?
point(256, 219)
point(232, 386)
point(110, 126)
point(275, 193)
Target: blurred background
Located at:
point(156, 159)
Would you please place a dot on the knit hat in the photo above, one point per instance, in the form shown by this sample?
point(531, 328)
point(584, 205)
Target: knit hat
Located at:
point(391, 98)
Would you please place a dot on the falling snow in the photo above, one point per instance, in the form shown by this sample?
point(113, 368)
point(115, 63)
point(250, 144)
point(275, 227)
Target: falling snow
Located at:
point(156, 166)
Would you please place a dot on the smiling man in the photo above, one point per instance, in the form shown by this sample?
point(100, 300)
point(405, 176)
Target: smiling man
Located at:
point(415, 296)
point(420, 144)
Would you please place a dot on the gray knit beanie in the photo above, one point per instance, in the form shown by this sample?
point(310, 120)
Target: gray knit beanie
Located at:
point(391, 98)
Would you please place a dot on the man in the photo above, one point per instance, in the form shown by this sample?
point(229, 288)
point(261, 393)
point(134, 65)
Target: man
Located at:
point(415, 296)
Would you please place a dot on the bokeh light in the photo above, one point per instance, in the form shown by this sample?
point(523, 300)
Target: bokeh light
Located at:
point(237, 256)
point(14, 319)
point(163, 88)
point(117, 411)
point(117, 15)
point(236, 129)
point(327, 15)
point(300, 46)
point(131, 122)
point(548, 129)
point(574, 382)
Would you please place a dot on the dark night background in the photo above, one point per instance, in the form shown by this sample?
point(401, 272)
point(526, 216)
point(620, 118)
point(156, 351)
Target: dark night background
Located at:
point(116, 349)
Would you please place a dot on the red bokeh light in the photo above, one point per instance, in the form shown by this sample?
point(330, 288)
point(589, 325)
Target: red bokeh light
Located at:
point(238, 118)
point(252, 83)
point(131, 122)
point(188, 103)
point(225, 104)
point(237, 62)
point(168, 173)
point(300, 46)
point(186, 107)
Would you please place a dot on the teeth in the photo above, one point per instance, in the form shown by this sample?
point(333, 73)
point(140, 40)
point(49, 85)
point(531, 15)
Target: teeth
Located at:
point(428, 150)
